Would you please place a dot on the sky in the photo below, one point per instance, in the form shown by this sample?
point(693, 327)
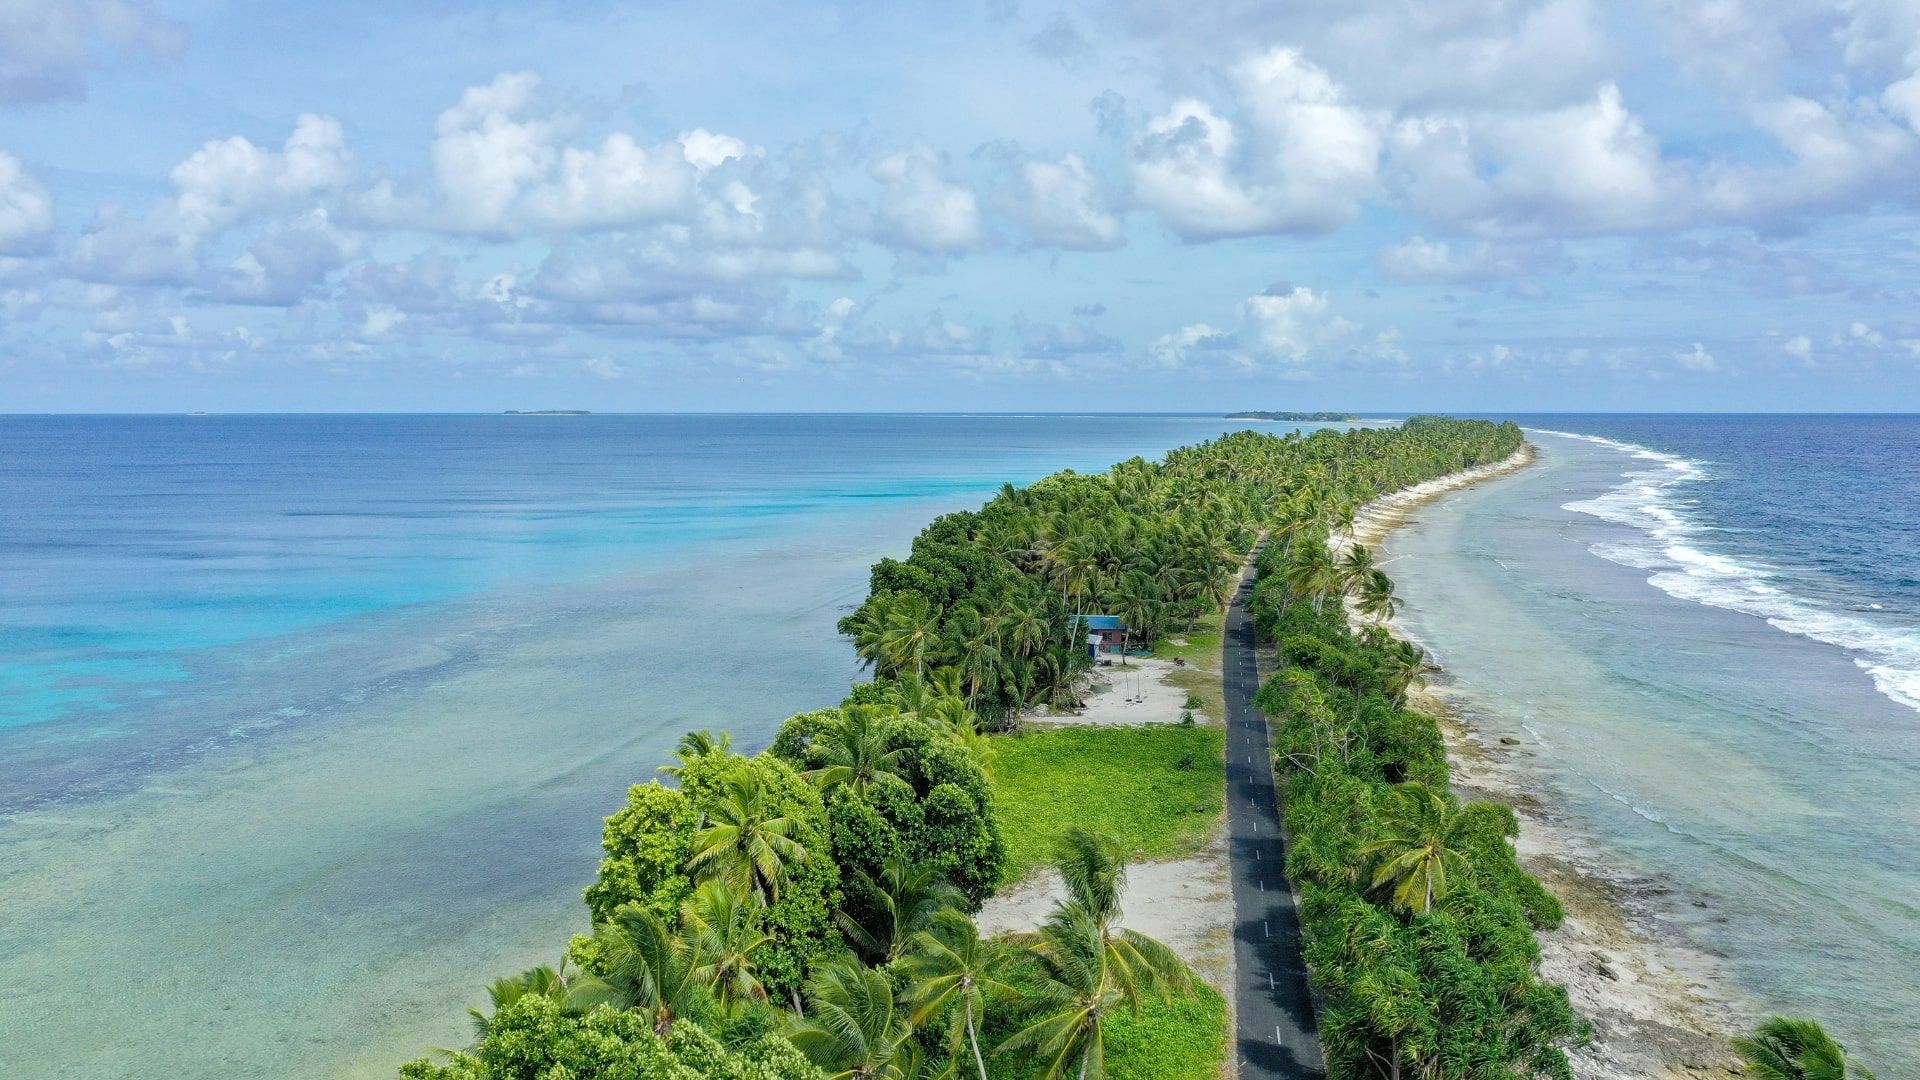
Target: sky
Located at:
point(1157, 205)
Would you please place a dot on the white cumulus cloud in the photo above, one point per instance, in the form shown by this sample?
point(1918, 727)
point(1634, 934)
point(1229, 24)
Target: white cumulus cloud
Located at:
point(1291, 326)
point(924, 210)
point(26, 210)
point(1697, 359)
point(1061, 206)
point(226, 180)
point(46, 46)
point(1302, 161)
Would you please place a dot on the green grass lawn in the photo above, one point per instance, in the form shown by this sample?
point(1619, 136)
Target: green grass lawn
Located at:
point(1181, 1039)
point(1126, 782)
point(1201, 647)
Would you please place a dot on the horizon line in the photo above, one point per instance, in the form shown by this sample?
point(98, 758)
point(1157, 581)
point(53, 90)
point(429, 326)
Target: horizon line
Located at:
point(1361, 415)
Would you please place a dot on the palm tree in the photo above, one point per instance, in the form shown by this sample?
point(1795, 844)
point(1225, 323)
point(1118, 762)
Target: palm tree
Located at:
point(946, 683)
point(655, 970)
point(906, 630)
point(910, 897)
point(701, 743)
point(1054, 671)
point(1784, 1049)
point(1076, 564)
point(1089, 966)
point(963, 724)
point(1142, 605)
point(698, 744)
point(1313, 573)
point(1424, 841)
point(1073, 999)
point(1406, 667)
point(1026, 626)
point(866, 627)
point(855, 751)
point(911, 694)
point(953, 970)
point(725, 930)
point(1094, 870)
point(1289, 525)
point(1219, 583)
point(1356, 568)
point(975, 636)
point(746, 841)
point(1017, 678)
point(1376, 597)
point(854, 1031)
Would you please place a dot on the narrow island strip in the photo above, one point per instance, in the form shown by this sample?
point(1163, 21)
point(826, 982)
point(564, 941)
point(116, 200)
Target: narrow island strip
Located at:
point(1001, 856)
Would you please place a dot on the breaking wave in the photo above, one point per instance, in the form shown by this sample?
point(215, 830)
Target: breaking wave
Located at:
point(1651, 500)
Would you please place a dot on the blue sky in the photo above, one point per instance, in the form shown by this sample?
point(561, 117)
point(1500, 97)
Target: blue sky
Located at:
point(1144, 204)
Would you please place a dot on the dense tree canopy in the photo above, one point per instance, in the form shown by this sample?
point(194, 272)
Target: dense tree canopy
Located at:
point(989, 594)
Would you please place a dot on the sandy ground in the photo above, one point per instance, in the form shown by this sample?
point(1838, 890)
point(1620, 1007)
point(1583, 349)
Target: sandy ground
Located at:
point(1139, 693)
point(1657, 1005)
point(1185, 903)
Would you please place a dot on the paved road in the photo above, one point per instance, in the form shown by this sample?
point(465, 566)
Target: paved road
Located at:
point(1276, 1037)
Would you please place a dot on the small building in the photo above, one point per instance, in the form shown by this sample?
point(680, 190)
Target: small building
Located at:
point(1101, 634)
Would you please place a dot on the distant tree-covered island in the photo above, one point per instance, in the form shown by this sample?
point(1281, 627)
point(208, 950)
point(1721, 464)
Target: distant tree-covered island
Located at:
point(1297, 417)
point(548, 412)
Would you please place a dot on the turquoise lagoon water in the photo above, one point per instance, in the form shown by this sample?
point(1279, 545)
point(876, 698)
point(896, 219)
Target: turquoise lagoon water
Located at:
point(307, 724)
point(1706, 633)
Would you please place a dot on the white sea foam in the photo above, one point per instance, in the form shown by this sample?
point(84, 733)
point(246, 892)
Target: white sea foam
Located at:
point(1676, 551)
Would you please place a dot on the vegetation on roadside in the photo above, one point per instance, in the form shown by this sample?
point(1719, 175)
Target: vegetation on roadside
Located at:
point(1127, 782)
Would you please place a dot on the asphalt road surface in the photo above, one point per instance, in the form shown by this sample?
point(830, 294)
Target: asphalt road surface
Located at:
point(1276, 1037)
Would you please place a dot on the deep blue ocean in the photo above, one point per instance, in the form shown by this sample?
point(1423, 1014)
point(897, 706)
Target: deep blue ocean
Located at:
point(1811, 522)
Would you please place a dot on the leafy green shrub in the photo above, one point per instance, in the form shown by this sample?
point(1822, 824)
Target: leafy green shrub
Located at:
point(935, 808)
point(647, 844)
